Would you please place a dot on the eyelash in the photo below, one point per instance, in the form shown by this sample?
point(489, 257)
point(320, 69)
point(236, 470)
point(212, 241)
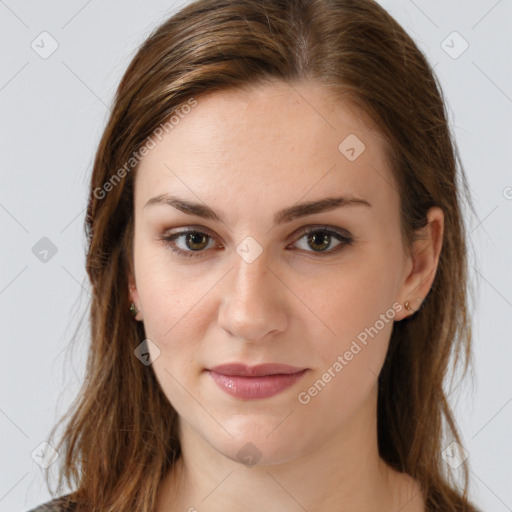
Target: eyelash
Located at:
point(344, 241)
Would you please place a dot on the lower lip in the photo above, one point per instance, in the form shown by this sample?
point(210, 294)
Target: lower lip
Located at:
point(255, 387)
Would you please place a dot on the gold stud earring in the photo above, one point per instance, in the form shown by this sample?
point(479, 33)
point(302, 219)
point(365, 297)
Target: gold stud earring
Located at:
point(408, 306)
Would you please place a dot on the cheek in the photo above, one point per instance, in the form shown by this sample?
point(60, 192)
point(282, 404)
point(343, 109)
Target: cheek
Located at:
point(173, 315)
point(349, 373)
point(348, 298)
point(176, 312)
point(357, 320)
point(169, 294)
point(175, 327)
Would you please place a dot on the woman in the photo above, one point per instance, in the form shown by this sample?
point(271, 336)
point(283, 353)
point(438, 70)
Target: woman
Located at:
point(276, 201)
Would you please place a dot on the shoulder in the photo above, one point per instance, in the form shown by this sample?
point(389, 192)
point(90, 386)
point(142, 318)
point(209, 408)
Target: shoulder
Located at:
point(60, 504)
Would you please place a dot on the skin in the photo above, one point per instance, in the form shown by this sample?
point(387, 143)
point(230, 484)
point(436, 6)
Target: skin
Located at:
point(247, 154)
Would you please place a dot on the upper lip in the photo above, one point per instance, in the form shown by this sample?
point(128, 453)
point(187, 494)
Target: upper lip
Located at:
point(255, 371)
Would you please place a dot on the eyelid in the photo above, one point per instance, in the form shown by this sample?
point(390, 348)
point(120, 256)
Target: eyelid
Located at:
point(341, 232)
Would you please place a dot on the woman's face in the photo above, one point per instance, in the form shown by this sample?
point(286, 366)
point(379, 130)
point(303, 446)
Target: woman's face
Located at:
point(251, 286)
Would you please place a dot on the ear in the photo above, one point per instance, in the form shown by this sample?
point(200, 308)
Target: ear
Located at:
point(133, 295)
point(422, 263)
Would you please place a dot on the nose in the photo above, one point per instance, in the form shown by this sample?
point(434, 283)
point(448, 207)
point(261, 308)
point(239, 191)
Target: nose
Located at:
point(253, 305)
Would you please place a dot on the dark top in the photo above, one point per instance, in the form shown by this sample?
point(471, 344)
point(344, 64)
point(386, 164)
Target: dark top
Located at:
point(60, 504)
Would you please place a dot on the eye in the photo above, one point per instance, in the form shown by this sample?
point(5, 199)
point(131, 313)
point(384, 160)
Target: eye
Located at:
point(320, 239)
point(192, 243)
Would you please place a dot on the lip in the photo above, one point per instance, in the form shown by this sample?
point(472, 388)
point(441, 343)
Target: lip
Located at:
point(255, 382)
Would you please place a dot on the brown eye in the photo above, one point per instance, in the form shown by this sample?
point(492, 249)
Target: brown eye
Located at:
point(187, 243)
point(320, 240)
point(196, 241)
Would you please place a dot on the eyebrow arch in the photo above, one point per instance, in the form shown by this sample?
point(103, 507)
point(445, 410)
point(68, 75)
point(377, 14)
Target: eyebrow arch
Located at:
point(282, 216)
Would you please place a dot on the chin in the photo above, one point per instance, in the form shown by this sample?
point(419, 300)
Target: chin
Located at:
point(259, 448)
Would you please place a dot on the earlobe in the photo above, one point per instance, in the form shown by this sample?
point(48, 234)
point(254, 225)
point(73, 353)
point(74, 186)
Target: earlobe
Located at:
point(425, 253)
point(135, 310)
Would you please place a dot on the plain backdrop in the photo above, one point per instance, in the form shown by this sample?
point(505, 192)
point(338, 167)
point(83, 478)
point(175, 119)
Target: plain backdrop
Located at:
point(53, 109)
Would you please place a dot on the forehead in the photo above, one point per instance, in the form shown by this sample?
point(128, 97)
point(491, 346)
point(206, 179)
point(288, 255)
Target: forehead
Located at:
point(273, 139)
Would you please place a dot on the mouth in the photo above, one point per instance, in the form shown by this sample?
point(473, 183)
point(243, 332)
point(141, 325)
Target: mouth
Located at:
point(255, 382)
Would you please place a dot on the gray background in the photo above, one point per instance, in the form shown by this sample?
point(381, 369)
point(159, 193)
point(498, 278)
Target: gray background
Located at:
point(52, 114)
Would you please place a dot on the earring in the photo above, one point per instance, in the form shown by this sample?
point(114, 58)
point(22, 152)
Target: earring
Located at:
point(133, 309)
point(407, 305)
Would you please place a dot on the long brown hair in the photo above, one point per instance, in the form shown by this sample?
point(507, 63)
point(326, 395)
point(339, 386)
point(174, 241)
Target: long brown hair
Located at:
point(120, 436)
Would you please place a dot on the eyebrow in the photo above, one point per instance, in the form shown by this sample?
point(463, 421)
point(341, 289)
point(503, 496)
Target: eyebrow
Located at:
point(282, 216)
